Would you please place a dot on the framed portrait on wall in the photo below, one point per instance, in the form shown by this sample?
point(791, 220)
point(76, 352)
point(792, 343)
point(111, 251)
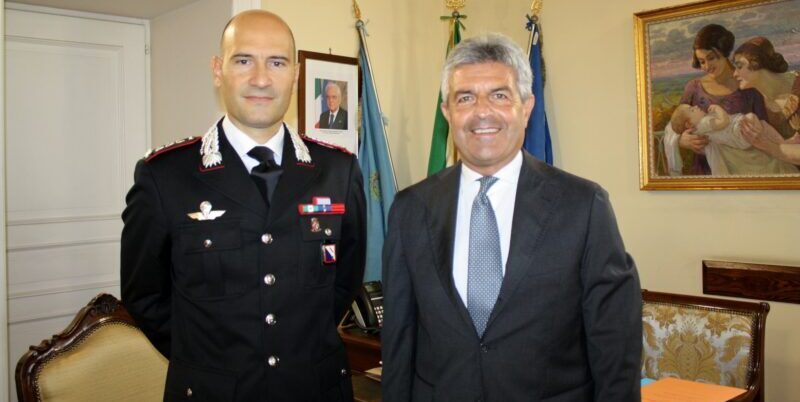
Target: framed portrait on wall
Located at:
point(717, 95)
point(327, 98)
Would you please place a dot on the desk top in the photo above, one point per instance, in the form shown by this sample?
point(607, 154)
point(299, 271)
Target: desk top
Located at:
point(677, 390)
point(356, 336)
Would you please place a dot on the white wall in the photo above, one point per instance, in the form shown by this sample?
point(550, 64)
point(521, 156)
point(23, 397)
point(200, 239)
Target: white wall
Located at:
point(591, 106)
point(183, 97)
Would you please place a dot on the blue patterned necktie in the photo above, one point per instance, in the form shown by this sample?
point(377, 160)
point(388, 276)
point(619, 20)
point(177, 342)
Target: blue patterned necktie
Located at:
point(485, 266)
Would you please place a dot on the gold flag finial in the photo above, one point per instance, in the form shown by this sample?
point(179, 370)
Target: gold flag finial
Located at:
point(455, 5)
point(356, 10)
point(536, 7)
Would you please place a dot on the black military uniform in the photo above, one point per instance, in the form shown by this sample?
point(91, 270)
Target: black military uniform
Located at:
point(245, 302)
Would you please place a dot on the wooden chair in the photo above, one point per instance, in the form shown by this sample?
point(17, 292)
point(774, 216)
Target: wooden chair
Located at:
point(101, 356)
point(705, 339)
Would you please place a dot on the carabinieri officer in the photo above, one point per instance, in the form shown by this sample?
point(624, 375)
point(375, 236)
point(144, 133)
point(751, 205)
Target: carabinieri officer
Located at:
point(243, 248)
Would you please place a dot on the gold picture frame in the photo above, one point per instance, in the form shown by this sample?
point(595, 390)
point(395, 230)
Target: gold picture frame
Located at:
point(669, 73)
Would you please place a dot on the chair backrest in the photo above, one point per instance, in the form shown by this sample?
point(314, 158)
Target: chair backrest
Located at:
point(101, 356)
point(704, 339)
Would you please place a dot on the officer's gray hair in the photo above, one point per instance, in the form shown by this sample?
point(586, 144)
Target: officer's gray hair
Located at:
point(488, 48)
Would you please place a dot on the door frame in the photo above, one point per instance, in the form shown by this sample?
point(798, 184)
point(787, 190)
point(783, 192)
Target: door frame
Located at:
point(4, 335)
point(3, 274)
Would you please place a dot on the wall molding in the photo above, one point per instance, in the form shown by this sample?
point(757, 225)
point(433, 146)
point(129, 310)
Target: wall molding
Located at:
point(73, 13)
point(63, 219)
point(45, 316)
point(63, 244)
point(49, 291)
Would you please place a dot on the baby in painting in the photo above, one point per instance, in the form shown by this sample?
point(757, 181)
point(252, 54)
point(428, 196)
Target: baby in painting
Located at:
point(728, 152)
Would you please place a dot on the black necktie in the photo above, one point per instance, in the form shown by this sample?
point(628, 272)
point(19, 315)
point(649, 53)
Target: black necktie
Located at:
point(266, 173)
point(330, 119)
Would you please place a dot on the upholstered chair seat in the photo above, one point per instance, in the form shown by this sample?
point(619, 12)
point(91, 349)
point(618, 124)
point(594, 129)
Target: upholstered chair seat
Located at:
point(101, 356)
point(702, 339)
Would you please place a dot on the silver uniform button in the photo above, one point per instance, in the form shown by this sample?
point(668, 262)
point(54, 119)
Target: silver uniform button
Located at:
point(343, 372)
point(189, 392)
point(269, 279)
point(207, 243)
point(273, 361)
point(328, 231)
point(266, 238)
point(270, 319)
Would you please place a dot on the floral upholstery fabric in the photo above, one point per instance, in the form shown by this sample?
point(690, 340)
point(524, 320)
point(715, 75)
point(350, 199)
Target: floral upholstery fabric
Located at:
point(698, 344)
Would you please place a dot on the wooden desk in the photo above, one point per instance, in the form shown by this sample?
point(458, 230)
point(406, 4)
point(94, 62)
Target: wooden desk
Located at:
point(366, 389)
point(363, 350)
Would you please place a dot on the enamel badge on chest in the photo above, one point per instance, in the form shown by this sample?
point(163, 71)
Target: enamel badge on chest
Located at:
point(329, 254)
point(315, 228)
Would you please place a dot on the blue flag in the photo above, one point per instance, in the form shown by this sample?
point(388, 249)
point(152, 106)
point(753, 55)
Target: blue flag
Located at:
point(376, 164)
point(537, 134)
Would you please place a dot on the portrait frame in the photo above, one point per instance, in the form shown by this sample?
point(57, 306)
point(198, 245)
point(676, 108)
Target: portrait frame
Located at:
point(661, 73)
point(321, 73)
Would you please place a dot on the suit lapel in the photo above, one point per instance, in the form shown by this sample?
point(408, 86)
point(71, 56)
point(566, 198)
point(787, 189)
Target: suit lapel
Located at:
point(442, 226)
point(294, 181)
point(535, 202)
point(232, 178)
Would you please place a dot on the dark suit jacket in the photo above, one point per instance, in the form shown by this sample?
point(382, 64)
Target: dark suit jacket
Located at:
point(200, 290)
point(567, 323)
point(339, 123)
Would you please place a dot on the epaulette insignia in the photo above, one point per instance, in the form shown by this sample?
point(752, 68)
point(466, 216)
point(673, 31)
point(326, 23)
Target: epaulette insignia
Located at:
point(327, 145)
point(152, 153)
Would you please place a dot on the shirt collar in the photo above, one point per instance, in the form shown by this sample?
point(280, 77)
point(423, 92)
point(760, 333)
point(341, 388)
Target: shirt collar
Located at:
point(242, 142)
point(507, 174)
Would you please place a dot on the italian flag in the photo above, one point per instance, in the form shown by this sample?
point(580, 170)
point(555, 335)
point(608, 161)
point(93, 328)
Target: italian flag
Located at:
point(443, 150)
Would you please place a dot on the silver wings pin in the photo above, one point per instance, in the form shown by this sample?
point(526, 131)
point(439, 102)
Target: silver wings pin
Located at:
point(205, 214)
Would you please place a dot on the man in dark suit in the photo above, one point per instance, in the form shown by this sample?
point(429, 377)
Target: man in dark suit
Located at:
point(505, 279)
point(243, 248)
point(335, 117)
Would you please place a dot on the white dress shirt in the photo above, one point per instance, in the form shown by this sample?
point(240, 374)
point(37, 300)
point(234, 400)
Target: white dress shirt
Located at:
point(242, 143)
point(502, 195)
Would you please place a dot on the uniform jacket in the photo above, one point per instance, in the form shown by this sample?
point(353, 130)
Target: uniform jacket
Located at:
point(340, 123)
point(243, 305)
point(567, 323)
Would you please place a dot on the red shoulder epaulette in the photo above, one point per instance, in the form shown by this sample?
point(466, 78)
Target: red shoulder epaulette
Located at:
point(169, 147)
point(327, 144)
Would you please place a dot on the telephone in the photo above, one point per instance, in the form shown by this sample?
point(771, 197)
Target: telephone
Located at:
point(368, 307)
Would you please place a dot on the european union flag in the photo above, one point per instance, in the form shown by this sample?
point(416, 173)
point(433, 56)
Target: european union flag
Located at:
point(376, 164)
point(537, 134)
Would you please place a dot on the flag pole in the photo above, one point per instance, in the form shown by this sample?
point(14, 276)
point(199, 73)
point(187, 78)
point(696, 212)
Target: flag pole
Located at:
point(443, 152)
point(536, 9)
point(363, 37)
point(537, 134)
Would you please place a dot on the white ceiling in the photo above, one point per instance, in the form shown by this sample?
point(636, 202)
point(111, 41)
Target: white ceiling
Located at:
point(145, 9)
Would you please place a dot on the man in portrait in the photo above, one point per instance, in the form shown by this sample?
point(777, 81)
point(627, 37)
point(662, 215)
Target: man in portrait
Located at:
point(335, 118)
